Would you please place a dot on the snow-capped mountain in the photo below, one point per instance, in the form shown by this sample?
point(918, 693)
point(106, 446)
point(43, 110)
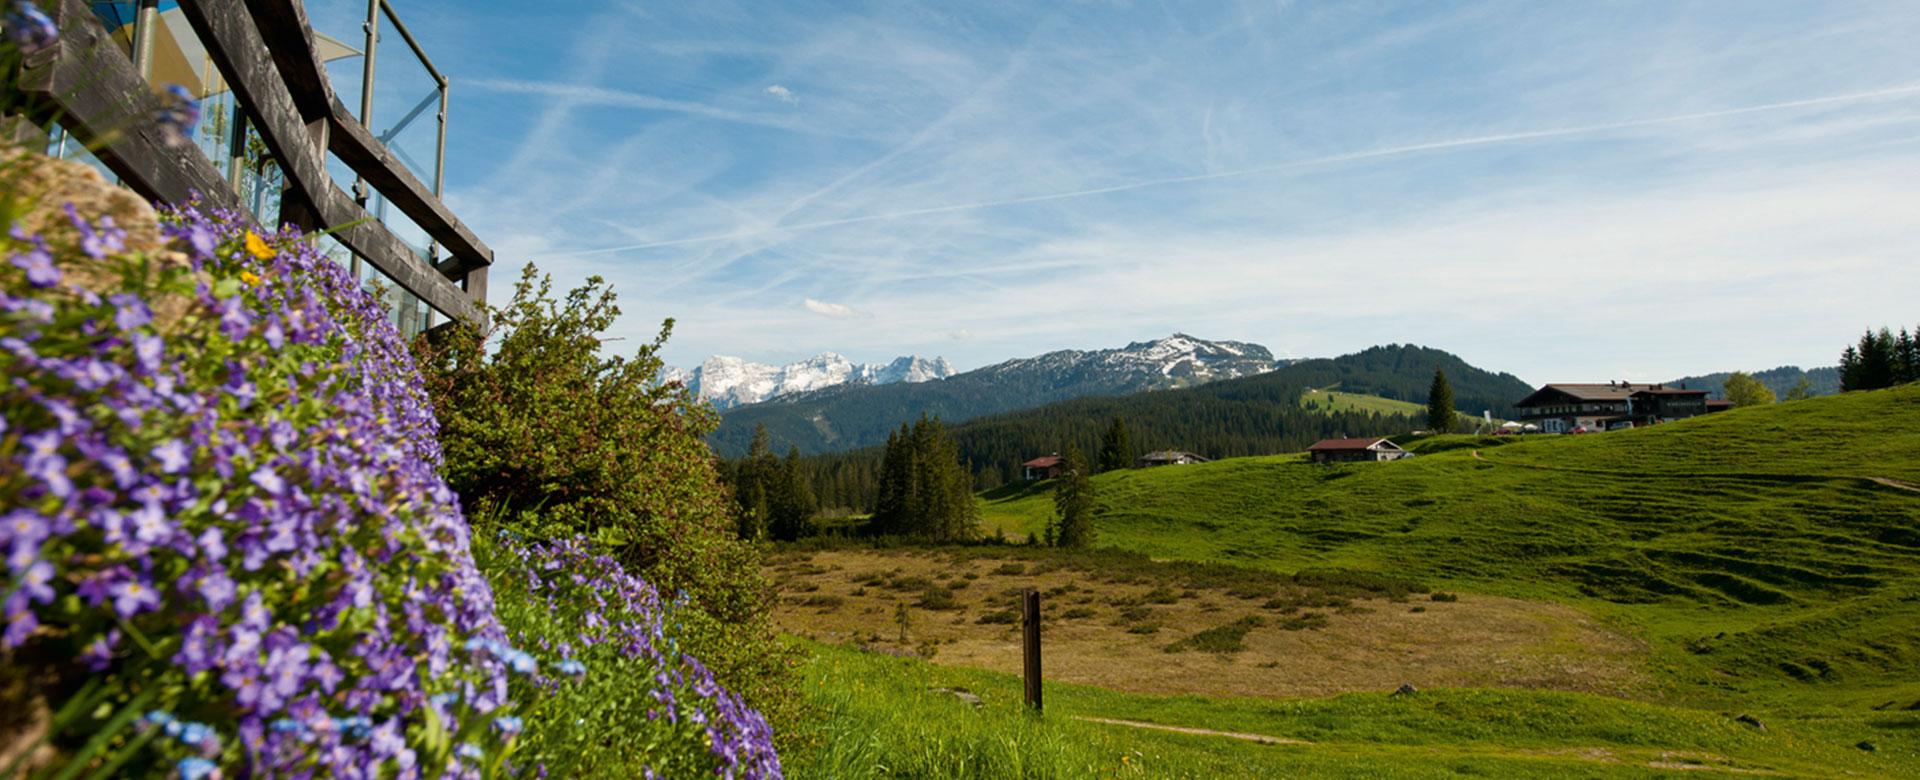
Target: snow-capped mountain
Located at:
point(853, 415)
point(728, 382)
point(1176, 360)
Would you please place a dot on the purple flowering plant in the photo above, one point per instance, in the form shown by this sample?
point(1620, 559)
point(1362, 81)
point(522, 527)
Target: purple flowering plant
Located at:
point(612, 669)
point(231, 550)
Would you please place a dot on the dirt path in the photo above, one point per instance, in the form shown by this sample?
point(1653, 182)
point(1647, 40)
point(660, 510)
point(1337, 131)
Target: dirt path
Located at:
point(1260, 738)
point(1897, 484)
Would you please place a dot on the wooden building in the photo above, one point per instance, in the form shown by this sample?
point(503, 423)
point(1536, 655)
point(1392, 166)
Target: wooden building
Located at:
point(1168, 458)
point(1042, 468)
point(1582, 408)
point(1371, 450)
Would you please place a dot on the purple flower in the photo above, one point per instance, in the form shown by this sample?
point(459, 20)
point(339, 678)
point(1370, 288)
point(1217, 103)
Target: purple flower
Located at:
point(268, 481)
point(29, 28)
point(37, 585)
point(98, 654)
point(172, 455)
point(133, 597)
point(38, 263)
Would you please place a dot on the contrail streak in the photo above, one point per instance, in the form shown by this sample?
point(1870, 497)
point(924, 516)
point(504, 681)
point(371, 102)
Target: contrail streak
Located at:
point(1390, 151)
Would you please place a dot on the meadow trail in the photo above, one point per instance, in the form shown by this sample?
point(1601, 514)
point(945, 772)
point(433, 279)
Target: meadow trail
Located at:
point(1882, 481)
point(1260, 738)
point(1662, 760)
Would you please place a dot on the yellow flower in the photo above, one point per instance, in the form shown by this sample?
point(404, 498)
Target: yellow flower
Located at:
point(252, 279)
point(258, 247)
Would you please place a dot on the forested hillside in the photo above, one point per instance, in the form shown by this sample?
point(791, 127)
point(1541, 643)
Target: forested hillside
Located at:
point(1782, 381)
point(1257, 415)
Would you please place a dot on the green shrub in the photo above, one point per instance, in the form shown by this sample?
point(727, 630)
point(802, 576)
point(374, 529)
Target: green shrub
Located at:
point(1230, 638)
point(937, 598)
point(554, 436)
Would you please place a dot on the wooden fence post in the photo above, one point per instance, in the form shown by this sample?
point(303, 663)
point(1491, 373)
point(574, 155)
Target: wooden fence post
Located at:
point(1030, 621)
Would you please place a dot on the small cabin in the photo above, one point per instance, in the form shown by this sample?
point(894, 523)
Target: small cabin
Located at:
point(1041, 468)
point(1356, 451)
point(1168, 458)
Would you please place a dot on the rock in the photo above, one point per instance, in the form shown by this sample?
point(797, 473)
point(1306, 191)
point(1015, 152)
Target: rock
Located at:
point(46, 185)
point(1867, 745)
point(963, 695)
point(1751, 721)
point(1405, 689)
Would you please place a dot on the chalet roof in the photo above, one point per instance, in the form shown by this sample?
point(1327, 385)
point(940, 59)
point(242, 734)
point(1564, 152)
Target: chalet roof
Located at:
point(1609, 391)
point(1043, 463)
point(1350, 445)
point(1716, 403)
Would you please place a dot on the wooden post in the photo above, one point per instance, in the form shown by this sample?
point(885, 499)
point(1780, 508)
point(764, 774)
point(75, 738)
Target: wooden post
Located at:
point(1031, 622)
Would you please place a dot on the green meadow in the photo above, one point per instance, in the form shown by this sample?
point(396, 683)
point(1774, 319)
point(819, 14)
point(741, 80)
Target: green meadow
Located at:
point(1769, 557)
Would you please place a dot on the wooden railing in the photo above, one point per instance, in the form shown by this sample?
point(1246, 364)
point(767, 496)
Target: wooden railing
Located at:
point(265, 51)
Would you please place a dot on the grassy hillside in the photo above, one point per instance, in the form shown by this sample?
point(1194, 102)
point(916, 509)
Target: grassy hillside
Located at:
point(895, 717)
point(1330, 400)
point(1753, 549)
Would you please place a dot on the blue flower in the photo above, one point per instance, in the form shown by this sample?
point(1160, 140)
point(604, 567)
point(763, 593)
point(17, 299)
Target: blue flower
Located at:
point(572, 667)
point(196, 768)
point(507, 724)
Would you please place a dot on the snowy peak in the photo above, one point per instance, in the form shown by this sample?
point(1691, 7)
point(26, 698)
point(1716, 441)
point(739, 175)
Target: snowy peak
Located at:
point(728, 382)
point(1174, 361)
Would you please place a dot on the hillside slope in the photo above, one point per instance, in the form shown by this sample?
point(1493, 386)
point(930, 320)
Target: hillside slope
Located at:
point(1755, 549)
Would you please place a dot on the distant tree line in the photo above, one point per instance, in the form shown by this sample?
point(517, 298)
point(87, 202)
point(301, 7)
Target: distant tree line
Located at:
point(1880, 359)
point(1220, 420)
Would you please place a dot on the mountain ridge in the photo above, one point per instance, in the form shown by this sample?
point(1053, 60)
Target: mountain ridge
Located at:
point(728, 382)
point(850, 416)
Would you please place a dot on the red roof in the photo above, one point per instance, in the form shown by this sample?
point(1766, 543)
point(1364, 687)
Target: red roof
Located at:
point(1342, 445)
point(1043, 463)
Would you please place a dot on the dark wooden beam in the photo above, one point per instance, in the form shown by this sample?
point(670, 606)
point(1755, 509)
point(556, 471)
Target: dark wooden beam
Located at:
point(238, 49)
point(361, 151)
point(89, 87)
point(289, 35)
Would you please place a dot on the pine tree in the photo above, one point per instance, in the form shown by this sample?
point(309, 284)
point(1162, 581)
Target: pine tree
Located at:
point(792, 504)
point(1877, 360)
point(1073, 502)
point(1906, 359)
point(1441, 418)
point(1116, 450)
point(925, 490)
point(1850, 377)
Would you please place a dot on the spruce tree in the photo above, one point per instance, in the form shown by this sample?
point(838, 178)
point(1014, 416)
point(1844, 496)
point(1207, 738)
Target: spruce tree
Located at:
point(792, 504)
point(1073, 502)
point(1877, 360)
point(1906, 358)
point(1850, 377)
point(1116, 450)
point(1441, 418)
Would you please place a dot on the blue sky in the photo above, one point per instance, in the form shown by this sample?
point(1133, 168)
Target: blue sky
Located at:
point(1565, 190)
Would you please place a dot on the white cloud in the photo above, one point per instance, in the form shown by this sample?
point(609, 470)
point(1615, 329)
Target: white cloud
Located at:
point(839, 311)
point(783, 94)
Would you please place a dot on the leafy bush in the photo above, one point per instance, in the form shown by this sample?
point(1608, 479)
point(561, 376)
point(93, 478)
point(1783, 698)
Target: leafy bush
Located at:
point(555, 438)
point(228, 540)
